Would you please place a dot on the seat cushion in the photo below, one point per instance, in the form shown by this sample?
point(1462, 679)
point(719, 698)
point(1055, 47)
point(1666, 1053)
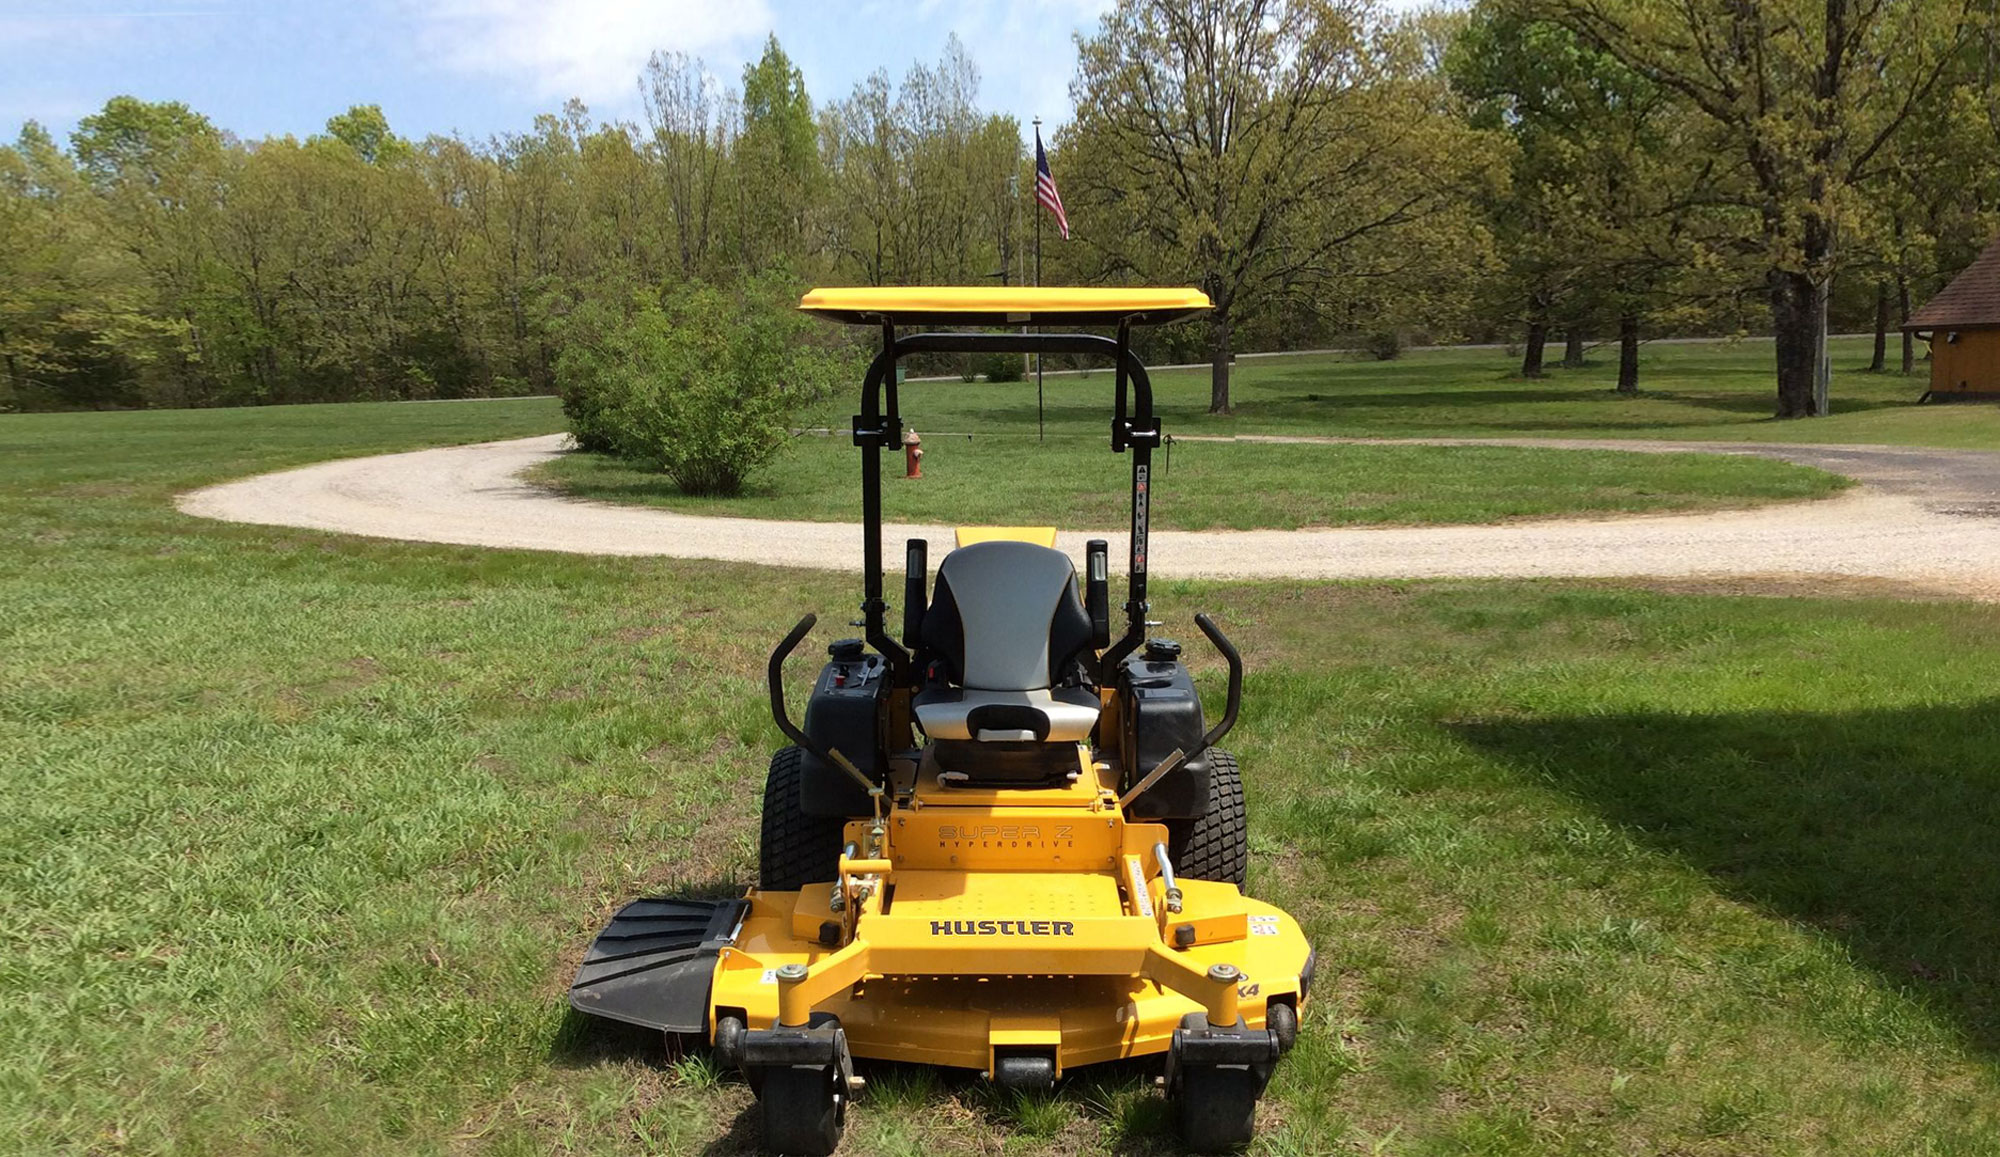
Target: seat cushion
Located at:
point(1066, 715)
point(1006, 617)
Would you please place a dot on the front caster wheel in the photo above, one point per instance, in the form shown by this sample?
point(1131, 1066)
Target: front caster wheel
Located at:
point(804, 1111)
point(1216, 1109)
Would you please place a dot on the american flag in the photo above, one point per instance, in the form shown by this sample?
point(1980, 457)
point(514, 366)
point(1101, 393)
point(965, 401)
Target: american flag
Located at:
point(1045, 187)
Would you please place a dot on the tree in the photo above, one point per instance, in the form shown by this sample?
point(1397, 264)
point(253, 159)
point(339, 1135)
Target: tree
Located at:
point(134, 141)
point(1262, 146)
point(778, 160)
point(1806, 93)
point(74, 320)
point(158, 168)
point(364, 129)
point(921, 179)
point(691, 139)
point(1928, 207)
point(1604, 184)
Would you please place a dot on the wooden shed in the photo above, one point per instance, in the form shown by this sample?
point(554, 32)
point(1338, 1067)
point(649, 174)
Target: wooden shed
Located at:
point(1962, 323)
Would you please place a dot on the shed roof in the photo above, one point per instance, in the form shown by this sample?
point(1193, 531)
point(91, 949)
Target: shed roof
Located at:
point(1971, 300)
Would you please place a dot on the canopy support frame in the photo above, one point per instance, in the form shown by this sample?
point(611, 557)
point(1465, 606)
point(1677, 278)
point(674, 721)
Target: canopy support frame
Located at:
point(1136, 429)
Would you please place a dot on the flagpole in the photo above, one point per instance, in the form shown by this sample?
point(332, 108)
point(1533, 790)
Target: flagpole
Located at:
point(1039, 430)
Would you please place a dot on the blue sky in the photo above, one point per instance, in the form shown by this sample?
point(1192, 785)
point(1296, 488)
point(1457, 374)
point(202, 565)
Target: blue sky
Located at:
point(480, 67)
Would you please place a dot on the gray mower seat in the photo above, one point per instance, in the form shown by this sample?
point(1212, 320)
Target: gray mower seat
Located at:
point(1006, 625)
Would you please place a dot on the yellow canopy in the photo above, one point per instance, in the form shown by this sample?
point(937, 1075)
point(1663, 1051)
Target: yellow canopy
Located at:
point(1001, 305)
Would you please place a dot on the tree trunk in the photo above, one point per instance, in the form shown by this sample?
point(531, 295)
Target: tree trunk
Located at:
point(1572, 348)
point(13, 373)
point(1531, 358)
point(1880, 361)
point(1628, 352)
point(1218, 355)
point(1798, 320)
point(1822, 404)
point(1903, 318)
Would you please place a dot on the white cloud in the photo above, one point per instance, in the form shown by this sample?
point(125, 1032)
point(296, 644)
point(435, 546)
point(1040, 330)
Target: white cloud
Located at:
point(593, 49)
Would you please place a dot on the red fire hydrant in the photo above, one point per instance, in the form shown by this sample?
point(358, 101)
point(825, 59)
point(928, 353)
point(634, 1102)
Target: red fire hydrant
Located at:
point(913, 455)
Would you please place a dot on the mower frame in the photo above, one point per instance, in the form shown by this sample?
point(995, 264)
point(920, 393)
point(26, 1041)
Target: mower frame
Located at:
point(1016, 929)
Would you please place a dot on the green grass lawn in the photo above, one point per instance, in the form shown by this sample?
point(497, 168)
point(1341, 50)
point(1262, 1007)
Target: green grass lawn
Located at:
point(1077, 484)
point(984, 464)
point(1715, 391)
point(301, 837)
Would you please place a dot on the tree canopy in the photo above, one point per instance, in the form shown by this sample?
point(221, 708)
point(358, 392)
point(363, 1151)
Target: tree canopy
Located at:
point(1329, 171)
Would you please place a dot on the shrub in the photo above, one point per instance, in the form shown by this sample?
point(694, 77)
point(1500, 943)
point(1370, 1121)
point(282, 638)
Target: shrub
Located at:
point(703, 385)
point(1384, 345)
point(1003, 367)
point(579, 380)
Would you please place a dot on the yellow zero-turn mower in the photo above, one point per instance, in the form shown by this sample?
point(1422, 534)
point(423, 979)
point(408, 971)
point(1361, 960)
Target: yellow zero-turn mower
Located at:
point(1003, 842)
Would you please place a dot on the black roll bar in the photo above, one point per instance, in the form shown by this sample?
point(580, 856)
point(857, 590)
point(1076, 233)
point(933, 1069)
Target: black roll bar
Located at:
point(1136, 430)
point(871, 433)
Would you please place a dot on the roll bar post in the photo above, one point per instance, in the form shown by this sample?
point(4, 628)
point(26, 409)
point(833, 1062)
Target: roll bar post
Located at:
point(872, 431)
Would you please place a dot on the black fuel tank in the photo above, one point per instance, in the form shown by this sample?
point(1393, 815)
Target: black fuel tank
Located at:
point(1162, 712)
point(843, 714)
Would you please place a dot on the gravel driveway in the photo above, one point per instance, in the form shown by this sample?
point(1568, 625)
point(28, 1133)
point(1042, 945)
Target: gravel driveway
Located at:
point(1926, 517)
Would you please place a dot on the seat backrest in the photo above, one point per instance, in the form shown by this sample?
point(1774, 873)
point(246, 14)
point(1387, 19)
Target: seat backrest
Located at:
point(1005, 616)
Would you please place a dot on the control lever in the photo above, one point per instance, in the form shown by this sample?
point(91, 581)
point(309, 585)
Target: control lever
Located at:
point(1235, 698)
point(775, 680)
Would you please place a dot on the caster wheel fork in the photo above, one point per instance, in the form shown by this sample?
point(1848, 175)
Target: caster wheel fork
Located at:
point(1215, 1076)
point(803, 1081)
point(1216, 1109)
point(804, 1110)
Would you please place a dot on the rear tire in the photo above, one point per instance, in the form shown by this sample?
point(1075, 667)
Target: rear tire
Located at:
point(795, 849)
point(1216, 846)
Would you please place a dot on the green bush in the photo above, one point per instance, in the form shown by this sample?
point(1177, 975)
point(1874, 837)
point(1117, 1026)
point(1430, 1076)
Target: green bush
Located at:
point(703, 385)
point(1003, 367)
point(1384, 345)
point(584, 408)
point(583, 333)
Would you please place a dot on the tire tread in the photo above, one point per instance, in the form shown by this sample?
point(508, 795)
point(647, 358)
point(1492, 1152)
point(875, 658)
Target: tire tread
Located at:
point(794, 849)
point(1217, 846)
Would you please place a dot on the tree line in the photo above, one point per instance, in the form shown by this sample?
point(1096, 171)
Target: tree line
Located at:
point(1327, 171)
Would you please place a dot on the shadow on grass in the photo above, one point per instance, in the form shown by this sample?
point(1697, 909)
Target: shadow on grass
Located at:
point(602, 477)
point(745, 1135)
point(1417, 397)
point(1880, 827)
point(1740, 403)
point(1135, 1119)
point(582, 1041)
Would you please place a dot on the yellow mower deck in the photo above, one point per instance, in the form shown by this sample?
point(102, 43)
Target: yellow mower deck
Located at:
point(1050, 889)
